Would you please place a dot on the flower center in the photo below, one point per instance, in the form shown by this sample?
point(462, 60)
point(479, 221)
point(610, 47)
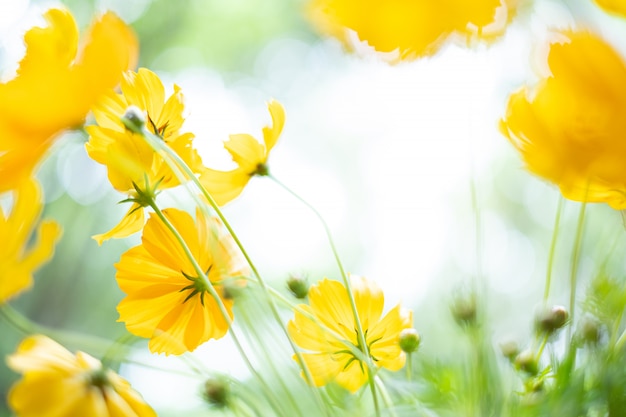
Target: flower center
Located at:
point(197, 286)
point(360, 347)
point(158, 130)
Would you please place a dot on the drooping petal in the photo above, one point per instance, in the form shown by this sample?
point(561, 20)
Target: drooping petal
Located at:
point(28, 243)
point(272, 133)
point(132, 222)
point(224, 186)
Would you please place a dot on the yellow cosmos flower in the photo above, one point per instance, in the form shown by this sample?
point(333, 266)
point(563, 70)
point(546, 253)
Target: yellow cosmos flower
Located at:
point(133, 166)
point(165, 300)
point(249, 154)
point(613, 6)
point(411, 28)
point(19, 258)
point(328, 358)
point(570, 128)
point(56, 84)
point(59, 384)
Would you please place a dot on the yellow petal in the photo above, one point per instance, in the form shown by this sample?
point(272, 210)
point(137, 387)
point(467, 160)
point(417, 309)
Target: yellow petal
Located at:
point(411, 28)
point(246, 151)
point(271, 134)
point(613, 6)
point(224, 186)
point(132, 222)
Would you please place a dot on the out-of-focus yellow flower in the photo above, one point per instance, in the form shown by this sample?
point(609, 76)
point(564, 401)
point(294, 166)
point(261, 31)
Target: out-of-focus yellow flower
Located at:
point(249, 154)
point(411, 28)
point(328, 359)
point(613, 6)
point(59, 384)
point(570, 128)
point(133, 166)
point(19, 258)
point(166, 301)
point(56, 84)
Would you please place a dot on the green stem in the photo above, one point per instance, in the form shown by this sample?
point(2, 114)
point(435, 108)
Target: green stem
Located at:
point(119, 348)
point(574, 266)
point(385, 396)
point(409, 366)
point(542, 346)
point(92, 344)
point(346, 282)
point(218, 301)
point(175, 162)
point(555, 233)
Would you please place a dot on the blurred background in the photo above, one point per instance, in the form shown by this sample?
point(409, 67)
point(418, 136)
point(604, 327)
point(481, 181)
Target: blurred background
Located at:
point(405, 162)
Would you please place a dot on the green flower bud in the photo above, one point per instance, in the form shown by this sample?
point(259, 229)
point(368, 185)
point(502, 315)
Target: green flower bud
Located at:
point(134, 119)
point(233, 287)
point(549, 320)
point(298, 286)
point(409, 340)
point(464, 310)
point(525, 361)
point(217, 392)
point(589, 330)
point(510, 350)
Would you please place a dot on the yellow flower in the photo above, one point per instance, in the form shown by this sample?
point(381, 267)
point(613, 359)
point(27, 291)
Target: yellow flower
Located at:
point(249, 154)
point(19, 258)
point(55, 86)
point(133, 166)
point(613, 6)
point(411, 28)
point(570, 128)
point(59, 384)
point(166, 301)
point(328, 358)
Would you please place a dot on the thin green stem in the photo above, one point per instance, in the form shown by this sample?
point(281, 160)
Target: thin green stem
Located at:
point(176, 163)
point(119, 348)
point(348, 286)
point(542, 346)
point(555, 233)
point(218, 301)
point(409, 367)
point(385, 396)
point(92, 344)
point(574, 266)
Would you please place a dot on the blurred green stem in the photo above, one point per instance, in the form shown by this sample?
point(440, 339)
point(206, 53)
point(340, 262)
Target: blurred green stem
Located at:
point(574, 266)
point(91, 344)
point(346, 282)
point(555, 233)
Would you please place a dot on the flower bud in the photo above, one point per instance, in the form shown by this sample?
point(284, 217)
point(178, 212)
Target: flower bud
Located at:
point(464, 310)
point(526, 361)
point(134, 119)
point(298, 286)
point(233, 287)
point(409, 340)
point(549, 320)
point(510, 350)
point(589, 330)
point(216, 392)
